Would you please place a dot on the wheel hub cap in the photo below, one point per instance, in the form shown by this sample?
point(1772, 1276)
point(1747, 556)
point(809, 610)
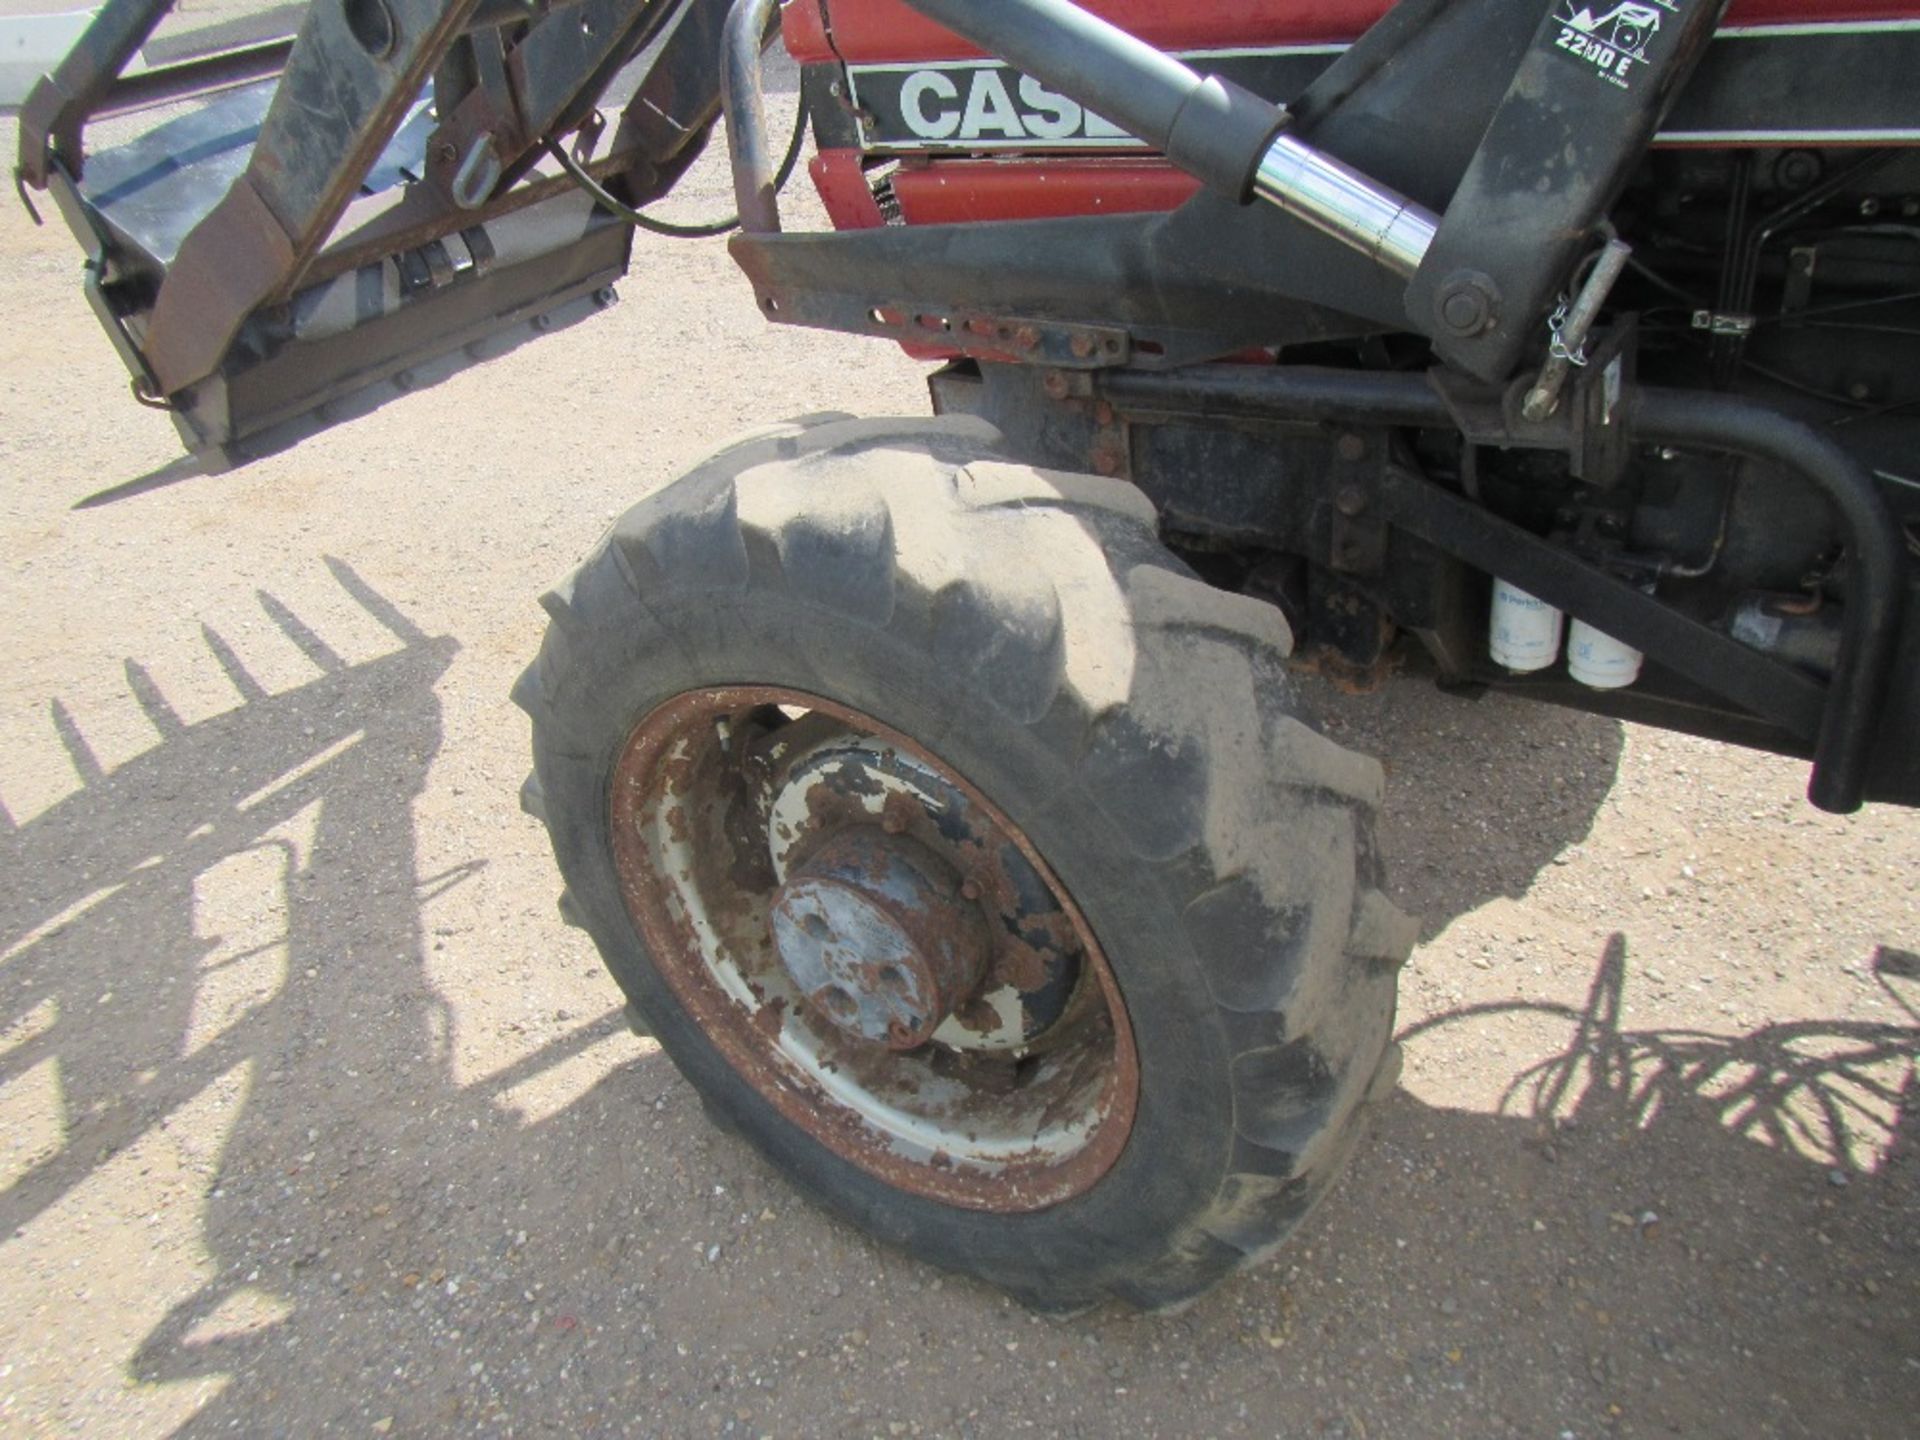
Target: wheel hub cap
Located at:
point(875, 932)
point(775, 847)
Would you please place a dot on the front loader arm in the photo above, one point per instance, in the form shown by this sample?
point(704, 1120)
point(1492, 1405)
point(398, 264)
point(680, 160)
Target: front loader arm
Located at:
point(1551, 161)
point(352, 74)
point(400, 160)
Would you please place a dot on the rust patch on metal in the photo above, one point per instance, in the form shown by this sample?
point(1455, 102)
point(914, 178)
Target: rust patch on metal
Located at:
point(769, 1018)
point(668, 762)
point(1027, 948)
point(925, 947)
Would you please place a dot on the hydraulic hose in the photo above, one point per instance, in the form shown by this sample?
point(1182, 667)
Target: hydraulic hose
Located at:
point(675, 229)
point(1209, 127)
point(1225, 136)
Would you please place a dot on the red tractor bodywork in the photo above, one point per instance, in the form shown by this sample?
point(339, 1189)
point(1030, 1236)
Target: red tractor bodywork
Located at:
point(864, 31)
point(1040, 183)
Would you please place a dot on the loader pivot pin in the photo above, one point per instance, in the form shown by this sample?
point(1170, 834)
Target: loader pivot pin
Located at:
point(1570, 329)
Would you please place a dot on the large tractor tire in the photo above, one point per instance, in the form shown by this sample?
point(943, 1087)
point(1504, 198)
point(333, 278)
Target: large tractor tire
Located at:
point(969, 856)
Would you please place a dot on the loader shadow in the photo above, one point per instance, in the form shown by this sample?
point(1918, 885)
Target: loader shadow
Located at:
point(1481, 795)
point(173, 472)
point(383, 1238)
point(212, 960)
point(1654, 1231)
point(98, 922)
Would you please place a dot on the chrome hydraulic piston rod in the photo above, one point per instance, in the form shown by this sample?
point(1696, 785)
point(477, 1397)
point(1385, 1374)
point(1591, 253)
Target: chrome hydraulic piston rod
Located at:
point(1333, 196)
point(1222, 134)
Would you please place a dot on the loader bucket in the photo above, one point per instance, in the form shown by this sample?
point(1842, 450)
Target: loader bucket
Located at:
point(323, 228)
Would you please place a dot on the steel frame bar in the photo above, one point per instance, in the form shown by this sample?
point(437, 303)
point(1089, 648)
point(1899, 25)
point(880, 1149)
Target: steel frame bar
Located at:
point(57, 109)
point(1842, 717)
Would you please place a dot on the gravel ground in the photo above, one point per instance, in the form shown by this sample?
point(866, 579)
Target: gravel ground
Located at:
point(314, 1119)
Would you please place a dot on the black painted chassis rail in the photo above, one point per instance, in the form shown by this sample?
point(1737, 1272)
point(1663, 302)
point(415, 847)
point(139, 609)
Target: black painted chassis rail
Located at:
point(1840, 718)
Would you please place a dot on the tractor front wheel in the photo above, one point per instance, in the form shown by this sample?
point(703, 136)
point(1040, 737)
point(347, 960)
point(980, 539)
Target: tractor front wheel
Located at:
point(969, 856)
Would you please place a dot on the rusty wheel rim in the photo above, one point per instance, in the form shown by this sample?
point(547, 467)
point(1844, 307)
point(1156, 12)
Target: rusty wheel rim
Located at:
point(733, 806)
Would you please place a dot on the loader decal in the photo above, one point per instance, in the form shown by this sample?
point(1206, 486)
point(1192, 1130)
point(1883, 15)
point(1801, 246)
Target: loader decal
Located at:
point(1613, 41)
point(976, 105)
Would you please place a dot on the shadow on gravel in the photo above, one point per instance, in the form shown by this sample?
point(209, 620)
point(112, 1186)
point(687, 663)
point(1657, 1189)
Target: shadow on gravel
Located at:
point(1481, 793)
point(382, 1241)
point(106, 967)
point(1817, 1089)
point(1656, 1232)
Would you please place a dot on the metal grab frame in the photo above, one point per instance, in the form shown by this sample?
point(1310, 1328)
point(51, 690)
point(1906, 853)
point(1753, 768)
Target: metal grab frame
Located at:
point(345, 86)
point(1841, 719)
point(210, 308)
point(88, 84)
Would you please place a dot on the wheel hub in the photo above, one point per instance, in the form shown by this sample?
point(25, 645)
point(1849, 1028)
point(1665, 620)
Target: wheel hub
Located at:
point(823, 786)
point(876, 933)
point(994, 1069)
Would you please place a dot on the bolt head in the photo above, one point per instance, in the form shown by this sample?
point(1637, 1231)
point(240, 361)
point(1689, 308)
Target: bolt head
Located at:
point(1463, 314)
point(1468, 304)
point(1797, 169)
